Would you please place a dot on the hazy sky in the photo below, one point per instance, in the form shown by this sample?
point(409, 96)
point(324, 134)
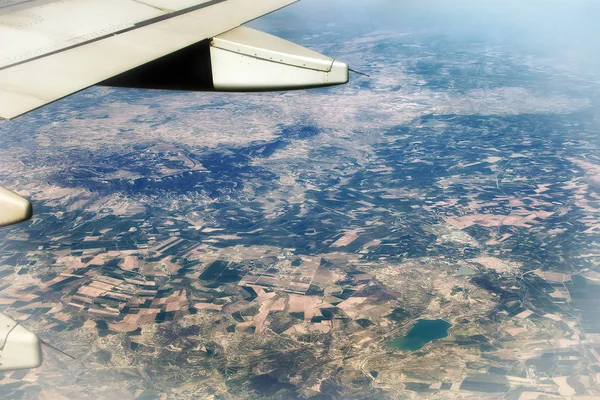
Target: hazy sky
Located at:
point(568, 30)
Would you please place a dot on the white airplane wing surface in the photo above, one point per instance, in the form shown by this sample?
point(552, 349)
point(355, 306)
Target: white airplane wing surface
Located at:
point(52, 48)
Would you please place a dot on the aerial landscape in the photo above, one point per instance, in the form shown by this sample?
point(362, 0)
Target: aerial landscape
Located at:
point(431, 231)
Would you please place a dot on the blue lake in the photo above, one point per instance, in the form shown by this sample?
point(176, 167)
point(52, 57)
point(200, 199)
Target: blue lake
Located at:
point(423, 332)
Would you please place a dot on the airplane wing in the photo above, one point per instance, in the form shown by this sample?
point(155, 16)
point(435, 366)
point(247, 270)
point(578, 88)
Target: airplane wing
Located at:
point(52, 48)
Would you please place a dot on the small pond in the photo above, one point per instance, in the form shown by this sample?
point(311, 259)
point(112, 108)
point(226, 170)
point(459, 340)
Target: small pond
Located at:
point(423, 332)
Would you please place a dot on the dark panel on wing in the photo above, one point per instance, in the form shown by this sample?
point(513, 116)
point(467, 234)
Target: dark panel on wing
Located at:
point(186, 69)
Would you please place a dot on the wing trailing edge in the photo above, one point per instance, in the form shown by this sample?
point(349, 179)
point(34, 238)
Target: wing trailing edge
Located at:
point(240, 60)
